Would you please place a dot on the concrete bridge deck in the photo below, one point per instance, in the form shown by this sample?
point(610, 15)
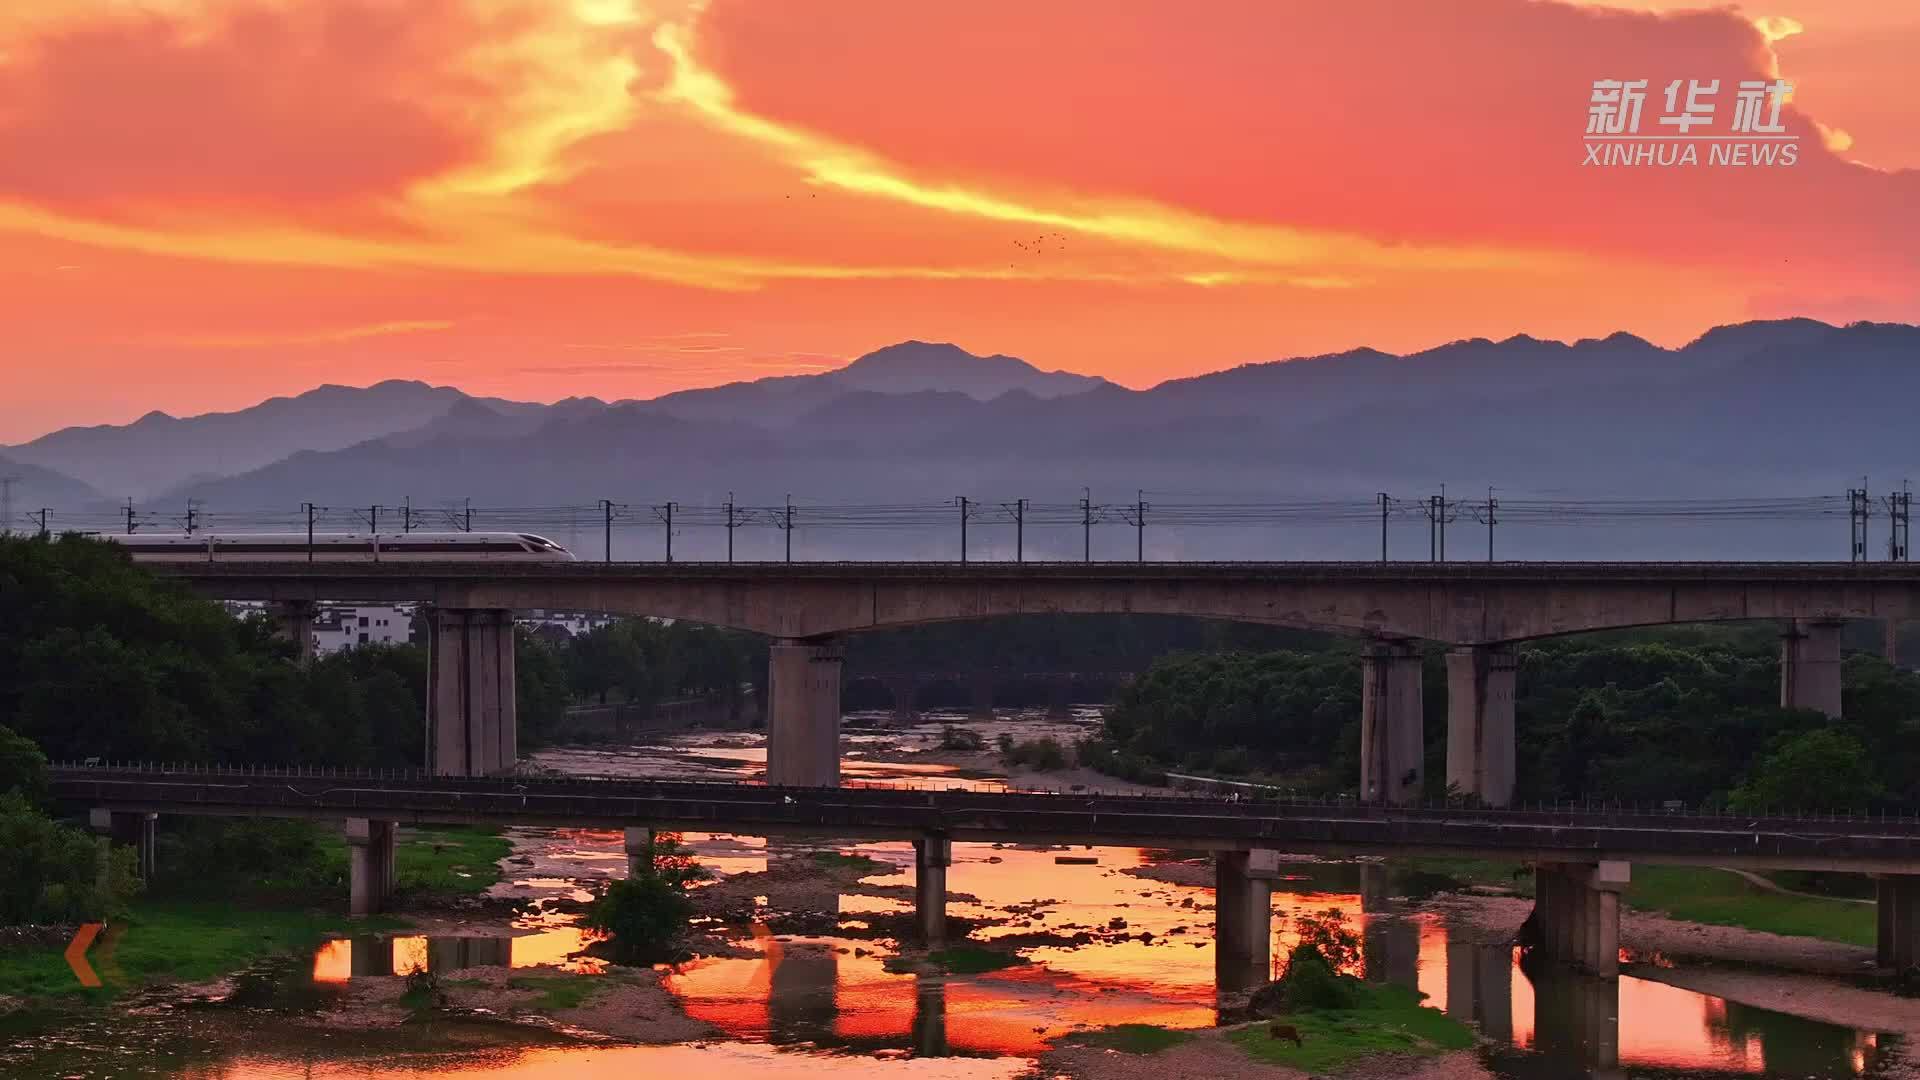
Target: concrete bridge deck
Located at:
point(1455, 602)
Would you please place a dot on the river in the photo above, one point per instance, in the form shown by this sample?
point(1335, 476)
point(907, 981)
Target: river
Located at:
point(1109, 935)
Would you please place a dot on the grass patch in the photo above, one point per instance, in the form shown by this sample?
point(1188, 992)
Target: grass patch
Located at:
point(442, 858)
point(972, 960)
point(1492, 873)
point(558, 991)
point(450, 858)
point(1136, 1038)
point(1390, 1019)
point(840, 860)
point(175, 940)
point(1715, 897)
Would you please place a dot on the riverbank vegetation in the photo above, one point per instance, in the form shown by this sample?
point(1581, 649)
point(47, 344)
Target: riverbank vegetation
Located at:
point(1324, 1017)
point(229, 898)
point(644, 661)
point(1724, 898)
point(1688, 714)
point(645, 914)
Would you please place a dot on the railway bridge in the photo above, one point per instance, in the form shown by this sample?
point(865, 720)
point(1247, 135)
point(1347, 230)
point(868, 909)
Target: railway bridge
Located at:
point(1582, 856)
point(1480, 610)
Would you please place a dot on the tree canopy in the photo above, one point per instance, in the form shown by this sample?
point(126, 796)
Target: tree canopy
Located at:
point(1690, 715)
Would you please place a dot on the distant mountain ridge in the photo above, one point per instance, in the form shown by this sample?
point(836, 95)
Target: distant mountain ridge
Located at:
point(1790, 406)
point(159, 452)
point(31, 488)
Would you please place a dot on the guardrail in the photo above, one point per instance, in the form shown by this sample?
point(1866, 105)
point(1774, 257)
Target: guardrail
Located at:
point(1184, 803)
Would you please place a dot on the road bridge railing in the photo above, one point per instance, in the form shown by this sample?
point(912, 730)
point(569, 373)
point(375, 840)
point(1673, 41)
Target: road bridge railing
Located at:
point(1337, 827)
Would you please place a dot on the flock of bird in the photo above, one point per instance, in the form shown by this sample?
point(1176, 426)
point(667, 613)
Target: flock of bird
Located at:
point(1038, 245)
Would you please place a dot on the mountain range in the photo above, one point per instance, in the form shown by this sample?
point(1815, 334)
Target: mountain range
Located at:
point(1787, 407)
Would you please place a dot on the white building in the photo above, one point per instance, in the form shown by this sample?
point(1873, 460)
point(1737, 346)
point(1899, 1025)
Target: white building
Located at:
point(342, 626)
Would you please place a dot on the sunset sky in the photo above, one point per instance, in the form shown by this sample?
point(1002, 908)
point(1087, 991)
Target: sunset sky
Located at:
point(206, 202)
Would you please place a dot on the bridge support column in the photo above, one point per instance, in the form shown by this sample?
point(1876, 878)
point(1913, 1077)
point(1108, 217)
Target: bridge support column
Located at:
point(369, 865)
point(902, 688)
point(1392, 740)
point(1899, 912)
point(639, 845)
point(981, 688)
point(1480, 756)
point(1810, 666)
point(1576, 909)
point(1890, 640)
point(472, 724)
point(1243, 917)
point(293, 620)
point(137, 829)
point(932, 855)
point(803, 718)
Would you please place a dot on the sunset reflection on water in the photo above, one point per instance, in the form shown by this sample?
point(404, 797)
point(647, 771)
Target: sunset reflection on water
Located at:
point(826, 1003)
point(1152, 963)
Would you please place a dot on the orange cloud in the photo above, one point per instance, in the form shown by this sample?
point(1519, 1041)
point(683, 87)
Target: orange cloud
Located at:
point(1118, 187)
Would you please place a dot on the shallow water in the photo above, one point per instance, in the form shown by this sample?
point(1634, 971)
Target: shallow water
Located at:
point(825, 1004)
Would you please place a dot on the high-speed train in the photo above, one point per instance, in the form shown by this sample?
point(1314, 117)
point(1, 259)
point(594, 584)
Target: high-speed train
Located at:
point(342, 547)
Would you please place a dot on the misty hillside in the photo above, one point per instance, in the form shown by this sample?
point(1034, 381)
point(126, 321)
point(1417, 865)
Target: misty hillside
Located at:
point(1791, 407)
point(158, 451)
point(32, 487)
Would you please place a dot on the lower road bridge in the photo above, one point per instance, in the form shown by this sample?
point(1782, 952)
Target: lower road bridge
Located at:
point(1582, 856)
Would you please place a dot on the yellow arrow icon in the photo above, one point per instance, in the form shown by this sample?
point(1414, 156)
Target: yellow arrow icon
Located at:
point(77, 953)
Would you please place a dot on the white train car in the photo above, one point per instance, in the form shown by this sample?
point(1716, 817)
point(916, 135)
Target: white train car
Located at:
point(342, 547)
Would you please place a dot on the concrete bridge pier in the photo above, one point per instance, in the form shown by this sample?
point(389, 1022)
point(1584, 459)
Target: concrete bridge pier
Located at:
point(803, 713)
point(639, 847)
point(1480, 754)
point(135, 829)
point(293, 620)
point(1810, 666)
point(904, 689)
point(472, 722)
point(1576, 908)
point(932, 855)
point(1243, 917)
point(370, 877)
point(1899, 912)
point(1392, 739)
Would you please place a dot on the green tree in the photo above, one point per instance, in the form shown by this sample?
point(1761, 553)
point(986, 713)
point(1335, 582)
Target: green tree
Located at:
point(54, 873)
point(540, 687)
point(644, 914)
point(1815, 770)
point(23, 768)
